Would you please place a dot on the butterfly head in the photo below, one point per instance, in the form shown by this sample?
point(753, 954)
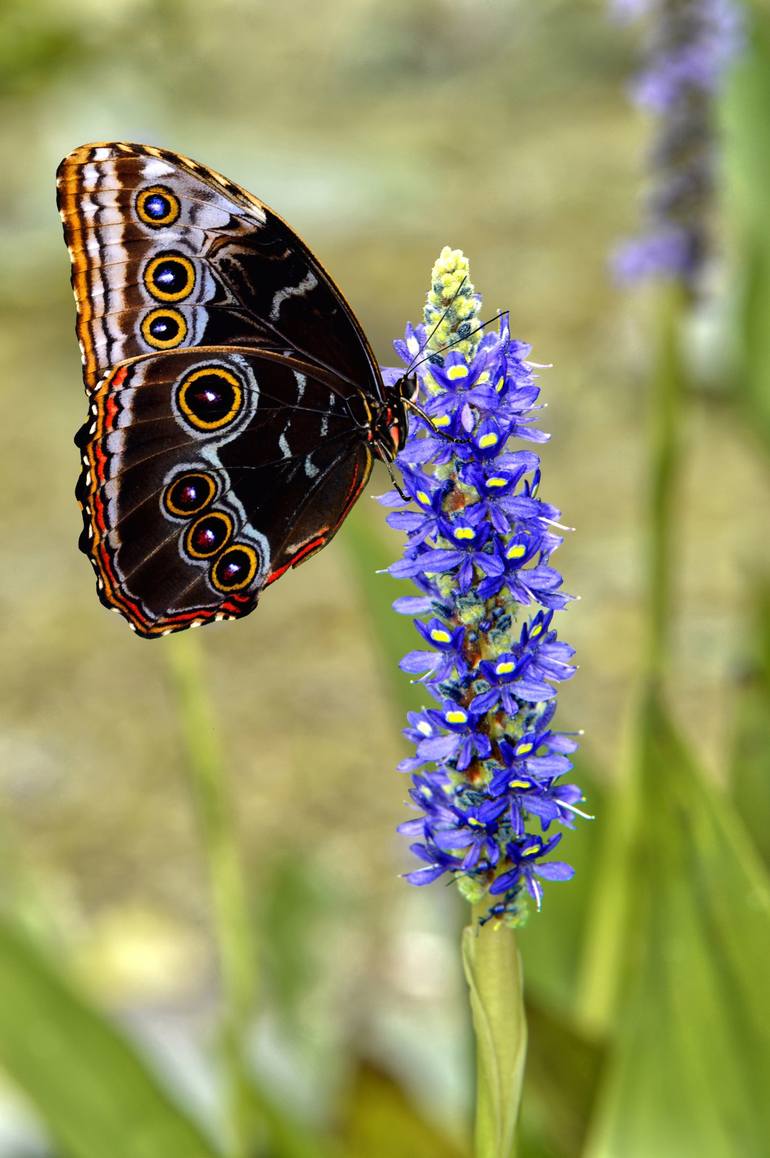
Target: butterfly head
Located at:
point(391, 425)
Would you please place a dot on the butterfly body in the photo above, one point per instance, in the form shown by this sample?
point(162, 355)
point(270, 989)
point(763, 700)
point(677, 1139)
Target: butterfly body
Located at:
point(235, 404)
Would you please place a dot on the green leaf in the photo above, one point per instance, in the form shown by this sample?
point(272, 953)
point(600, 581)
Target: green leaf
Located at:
point(394, 634)
point(745, 127)
point(560, 1084)
point(690, 1068)
point(289, 1137)
point(552, 941)
point(493, 972)
point(89, 1086)
point(750, 756)
point(747, 165)
point(380, 1121)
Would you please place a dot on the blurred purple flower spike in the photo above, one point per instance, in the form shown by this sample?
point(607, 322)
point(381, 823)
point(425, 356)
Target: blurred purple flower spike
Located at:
point(690, 46)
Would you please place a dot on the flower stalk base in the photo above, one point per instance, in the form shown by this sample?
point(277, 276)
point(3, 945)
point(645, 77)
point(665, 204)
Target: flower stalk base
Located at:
point(493, 971)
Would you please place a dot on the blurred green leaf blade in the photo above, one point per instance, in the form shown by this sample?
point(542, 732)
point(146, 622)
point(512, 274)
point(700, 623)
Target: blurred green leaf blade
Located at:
point(690, 1069)
point(552, 941)
point(394, 634)
point(89, 1086)
point(747, 165)
point(750, 755)
point(380, 1120)
point(560, 1084)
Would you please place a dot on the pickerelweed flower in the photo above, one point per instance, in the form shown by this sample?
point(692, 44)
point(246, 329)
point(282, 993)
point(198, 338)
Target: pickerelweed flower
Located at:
point(690, 44)
point(487, 770)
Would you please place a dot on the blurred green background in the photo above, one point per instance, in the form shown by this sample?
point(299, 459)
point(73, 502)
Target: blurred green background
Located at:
point(383, 131)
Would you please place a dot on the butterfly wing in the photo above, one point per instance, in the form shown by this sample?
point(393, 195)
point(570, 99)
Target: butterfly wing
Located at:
point(207, 474)
point(167, 255)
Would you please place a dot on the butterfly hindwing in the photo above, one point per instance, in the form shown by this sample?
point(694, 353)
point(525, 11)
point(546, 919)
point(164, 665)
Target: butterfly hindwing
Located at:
point(206, 474)
point(169, 255)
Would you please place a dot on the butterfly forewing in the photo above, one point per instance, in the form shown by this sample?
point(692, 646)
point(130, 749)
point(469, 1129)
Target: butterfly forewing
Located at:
point(168, 254)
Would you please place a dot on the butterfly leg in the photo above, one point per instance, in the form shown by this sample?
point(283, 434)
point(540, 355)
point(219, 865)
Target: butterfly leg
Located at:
point(383, 453)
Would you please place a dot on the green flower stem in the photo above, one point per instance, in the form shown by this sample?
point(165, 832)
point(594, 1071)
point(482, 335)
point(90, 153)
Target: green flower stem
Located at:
point(494, 975)
point(208, 785)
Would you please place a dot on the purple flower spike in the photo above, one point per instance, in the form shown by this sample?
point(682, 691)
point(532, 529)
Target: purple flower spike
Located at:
point(487, 770)
point(690, 46)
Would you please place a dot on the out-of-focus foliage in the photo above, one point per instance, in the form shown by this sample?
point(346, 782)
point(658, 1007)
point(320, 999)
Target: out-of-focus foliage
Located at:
point(750, 757)
point(382, 132)
point(690, 1059)
point(94, 1094)
point(378, 1119)
point(748, 156)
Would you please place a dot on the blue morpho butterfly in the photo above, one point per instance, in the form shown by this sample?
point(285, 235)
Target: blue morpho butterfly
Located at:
point(235, 403)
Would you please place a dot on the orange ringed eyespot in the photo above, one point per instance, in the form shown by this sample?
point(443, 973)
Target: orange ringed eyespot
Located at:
point(208, 535)
point(210, 398)
point(157, 206)
point(170, 277)
point(235, 568)
point(188, 494)
point(164, 329)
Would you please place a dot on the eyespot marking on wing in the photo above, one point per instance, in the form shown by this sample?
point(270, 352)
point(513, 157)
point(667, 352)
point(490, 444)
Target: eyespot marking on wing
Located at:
point(208, 535)
point(235, 569)
point(164, 329)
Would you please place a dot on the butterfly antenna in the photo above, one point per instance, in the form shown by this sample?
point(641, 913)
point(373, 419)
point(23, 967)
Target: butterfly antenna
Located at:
point(463, 338)
point(409, 368)
point(410, 404)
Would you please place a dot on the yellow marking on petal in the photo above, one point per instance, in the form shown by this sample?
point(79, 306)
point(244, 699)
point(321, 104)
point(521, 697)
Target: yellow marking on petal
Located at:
point(483, 377)
point(464, 533)
point(516, 551)
point(505, 668)
point(441, 636)
point(497, 482)
point(456, 716)
point(442, 420)
point(518, 784)
point(489, 439)
point(457, 372)
point(422, 497)
point(500, 383)
point(536, 630)
point(523, 749)
point(476, 823)
point(424, 728)
point(534, 851)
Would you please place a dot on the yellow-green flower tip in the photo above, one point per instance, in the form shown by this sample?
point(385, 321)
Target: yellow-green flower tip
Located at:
point(453, 306)
point(471, 889)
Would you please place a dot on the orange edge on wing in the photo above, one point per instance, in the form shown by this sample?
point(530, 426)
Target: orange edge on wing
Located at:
point(67, 199)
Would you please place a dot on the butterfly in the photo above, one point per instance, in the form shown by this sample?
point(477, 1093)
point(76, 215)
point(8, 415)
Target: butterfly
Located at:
point(235, 404)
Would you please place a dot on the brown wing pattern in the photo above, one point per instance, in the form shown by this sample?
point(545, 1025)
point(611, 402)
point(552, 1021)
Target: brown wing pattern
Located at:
point(168, 254)
point(206, 475)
